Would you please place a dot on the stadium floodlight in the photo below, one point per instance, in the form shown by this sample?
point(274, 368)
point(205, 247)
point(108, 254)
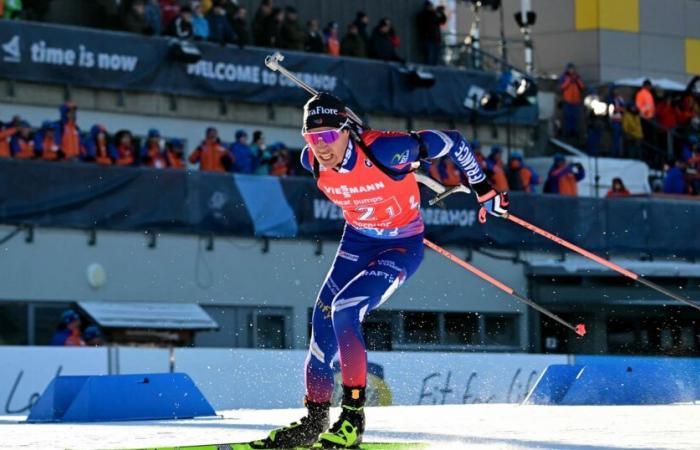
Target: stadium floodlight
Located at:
point(599, 108)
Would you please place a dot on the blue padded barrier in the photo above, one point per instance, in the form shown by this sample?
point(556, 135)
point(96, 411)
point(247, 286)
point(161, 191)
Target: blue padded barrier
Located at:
point(120, 397)
point(617, 381)
point(553, 384)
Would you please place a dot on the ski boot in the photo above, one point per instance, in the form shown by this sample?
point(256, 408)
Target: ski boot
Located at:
point(347, 430)
point(299, 434)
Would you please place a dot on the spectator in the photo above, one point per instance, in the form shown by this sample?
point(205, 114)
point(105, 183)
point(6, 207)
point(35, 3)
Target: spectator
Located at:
point(571, 87)
point(688, 105)
point(134, 18)
point(361, 22)
point(261, 22)
point(446, 172)
point(240, 27)
point(675, 179)
point(520, 176)
point(276, 20)
point(174, 154)
point(22, 143)
point(242, 154)
point(211, 155)
point(645, 101)
point(666, 113)
point(152, 153)
point(280, 164)
point(495, 170)
point(153, 17)
point(220, 28)
point(352, 43)
point(12, 9)
point(476, 148)
point(381, 45)
point(261, 154)
point(429, 21)
point(292, 34)
point(68, 133)
point(181, 27)
point(169, 10)
point(200, 24)
point(632, 131)
point(331, 37)
point(562, 177)
point(45, 143)
point(68, 330)
point(594, 135)
point(126, 152)
point(93, 336)
point(618, 189)
point(98, 148)
point(618, 103)
point(314, 40)
point(6, 133)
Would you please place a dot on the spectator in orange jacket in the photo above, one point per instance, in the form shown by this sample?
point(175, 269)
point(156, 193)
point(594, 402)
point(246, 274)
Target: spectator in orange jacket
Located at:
point(174, 154)
point(6, 133)
point(22, 143)
point(446, 172)
point(126, 152)
point(280, 163)
point(68, 133)
point(645, 101)
point(563, 177)
point(98, 148)
point(152, 153)
point(495, 170)
point(476, 148)
point(520, 176)
point(68, 330)
point(571, 87)
point(211, 155)
point(618, 189)
point(45, 143)
point(332, 39)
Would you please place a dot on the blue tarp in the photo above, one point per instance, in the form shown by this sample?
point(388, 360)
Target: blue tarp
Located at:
point(113, 60)
point(115, 198)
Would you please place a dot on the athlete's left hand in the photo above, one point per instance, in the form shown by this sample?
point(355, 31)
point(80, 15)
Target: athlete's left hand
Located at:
point(494, 203)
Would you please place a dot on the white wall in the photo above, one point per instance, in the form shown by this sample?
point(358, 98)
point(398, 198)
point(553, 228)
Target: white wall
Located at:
point(53, 268)
point(246, 378)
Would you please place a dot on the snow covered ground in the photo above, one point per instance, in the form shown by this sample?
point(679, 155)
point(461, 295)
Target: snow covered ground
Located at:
point(501, 426)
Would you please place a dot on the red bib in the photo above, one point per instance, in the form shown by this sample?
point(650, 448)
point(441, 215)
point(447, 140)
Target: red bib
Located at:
point(370, 199)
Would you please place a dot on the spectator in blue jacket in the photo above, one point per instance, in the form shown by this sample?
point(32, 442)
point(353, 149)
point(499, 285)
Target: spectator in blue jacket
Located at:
point(99, 148)
point(200, 24)
point(220, 29)
point(243, 156)
point(674, 181)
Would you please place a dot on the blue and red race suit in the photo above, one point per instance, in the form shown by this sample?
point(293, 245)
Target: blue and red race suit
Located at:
point(382, 244)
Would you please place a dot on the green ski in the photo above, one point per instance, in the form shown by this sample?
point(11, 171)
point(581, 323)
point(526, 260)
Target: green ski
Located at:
point(246, 446)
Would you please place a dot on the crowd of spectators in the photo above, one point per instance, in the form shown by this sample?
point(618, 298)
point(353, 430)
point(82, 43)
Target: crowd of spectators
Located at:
point(514, 174)
point(63, 140)
point(661, 128)
point(70, 333)
point(226, 22)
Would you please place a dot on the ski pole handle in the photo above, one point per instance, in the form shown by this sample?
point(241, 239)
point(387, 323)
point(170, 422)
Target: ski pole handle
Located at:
point(273, 63)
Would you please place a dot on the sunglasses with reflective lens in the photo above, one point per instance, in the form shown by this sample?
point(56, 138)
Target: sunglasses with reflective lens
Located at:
point(327, 136)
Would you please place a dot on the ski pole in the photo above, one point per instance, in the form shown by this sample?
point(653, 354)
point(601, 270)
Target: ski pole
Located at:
point(273, 63)
point(579, 329)
point(610, 265)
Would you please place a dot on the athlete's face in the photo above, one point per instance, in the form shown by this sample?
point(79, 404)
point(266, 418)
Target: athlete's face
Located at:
point(330, 154)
